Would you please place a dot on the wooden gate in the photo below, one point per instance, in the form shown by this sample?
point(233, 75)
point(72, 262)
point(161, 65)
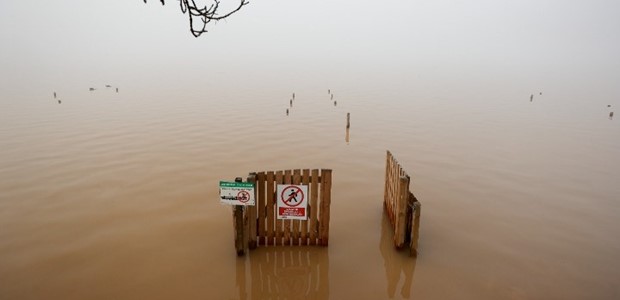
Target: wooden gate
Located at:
point(401, 205)
point(259, 224)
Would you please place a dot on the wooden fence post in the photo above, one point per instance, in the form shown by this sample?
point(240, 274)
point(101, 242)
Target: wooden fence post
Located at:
point(314, 207)
point(415, 229)
point(252, 214)
point(239, 226)
point(401, 220)
point(326, 189)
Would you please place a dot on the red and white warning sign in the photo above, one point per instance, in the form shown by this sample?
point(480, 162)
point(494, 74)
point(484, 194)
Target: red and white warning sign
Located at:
point(292, 202)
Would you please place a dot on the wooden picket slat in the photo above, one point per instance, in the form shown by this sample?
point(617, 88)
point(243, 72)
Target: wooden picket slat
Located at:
point(279, 223)
point(305, 180)
point(287, 223)
point(270, 208)
point(401, 212)
point(326, 182)
point(388, 182)
point(261, 202)
point(314, 208)
point(296, 223)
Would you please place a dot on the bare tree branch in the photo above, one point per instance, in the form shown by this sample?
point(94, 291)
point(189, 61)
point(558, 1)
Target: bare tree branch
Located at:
point(205, 14)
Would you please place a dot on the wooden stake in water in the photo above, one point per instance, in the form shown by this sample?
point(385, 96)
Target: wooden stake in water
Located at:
point(239, 226)
point(348, 120)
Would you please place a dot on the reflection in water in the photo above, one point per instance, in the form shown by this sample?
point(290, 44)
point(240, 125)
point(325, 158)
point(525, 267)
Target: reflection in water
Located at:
point(284, 273)
point(611, 115)
point(395, 262)
point(346, 135)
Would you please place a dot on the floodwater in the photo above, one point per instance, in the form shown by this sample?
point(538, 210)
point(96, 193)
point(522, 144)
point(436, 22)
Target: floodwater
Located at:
point(115, 195)
point(499, 110)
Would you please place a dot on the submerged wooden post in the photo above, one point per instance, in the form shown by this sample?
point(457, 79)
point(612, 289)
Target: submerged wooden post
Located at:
point(252, 219)
point(314, 208)
point(348, 120)
point(326, 187)
point(239, 226)
point(415, 228)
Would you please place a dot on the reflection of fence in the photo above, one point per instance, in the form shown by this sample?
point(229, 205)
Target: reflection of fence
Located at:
point(399, 269)
point(285, 273)
point(401, 205)
point(260, 223)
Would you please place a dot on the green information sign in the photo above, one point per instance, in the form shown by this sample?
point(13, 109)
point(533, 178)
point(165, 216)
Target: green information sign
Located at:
point(237, 193)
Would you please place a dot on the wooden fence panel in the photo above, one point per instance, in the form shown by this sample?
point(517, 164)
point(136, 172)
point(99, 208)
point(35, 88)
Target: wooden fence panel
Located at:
point(401, 206)
point(261, 222)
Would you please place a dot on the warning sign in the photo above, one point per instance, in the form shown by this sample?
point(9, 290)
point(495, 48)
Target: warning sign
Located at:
point(236, 193)
point(292, 202)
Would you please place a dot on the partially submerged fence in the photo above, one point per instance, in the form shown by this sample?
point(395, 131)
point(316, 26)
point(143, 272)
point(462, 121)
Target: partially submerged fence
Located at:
point(401, 205)
point(260, 225)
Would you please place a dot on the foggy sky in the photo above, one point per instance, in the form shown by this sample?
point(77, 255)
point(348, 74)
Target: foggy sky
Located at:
point(50, 43)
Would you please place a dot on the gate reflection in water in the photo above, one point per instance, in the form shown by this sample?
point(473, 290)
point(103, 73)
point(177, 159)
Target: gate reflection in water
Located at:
point(284, 273)
point(397, 263)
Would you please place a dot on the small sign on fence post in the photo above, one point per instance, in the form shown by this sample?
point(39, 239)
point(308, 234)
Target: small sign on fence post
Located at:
point(292, 202)
point(237, 193)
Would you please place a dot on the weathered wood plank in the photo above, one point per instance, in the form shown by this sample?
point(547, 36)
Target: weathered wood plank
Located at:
point(252, 218)
point(287, 223)
point(401, 212)
point(238, 227)
point(415, 228)
point(305, 180)
point(261, 203)
point(279, 225)
point(314, 208)
point(295, 234)
point(326, 185)
point(271, 224)
point(387, 179)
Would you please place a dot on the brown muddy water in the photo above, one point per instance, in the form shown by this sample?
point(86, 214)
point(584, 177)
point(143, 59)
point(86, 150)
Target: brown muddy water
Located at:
point(115, 196)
